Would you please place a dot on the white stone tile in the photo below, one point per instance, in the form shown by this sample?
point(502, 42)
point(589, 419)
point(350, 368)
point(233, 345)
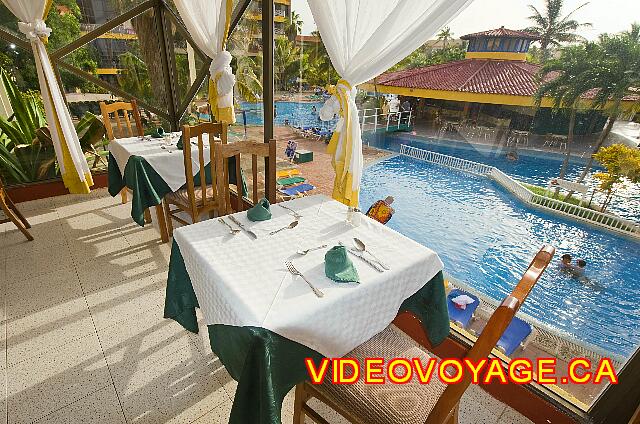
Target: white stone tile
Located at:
point(106, 272)
point(100, 407)
point(32, 293)
point(41, 261)
point(218, 415)
point(141, 341)
point(478, 407)
point(92, 248)
point(127, 299)
point(47, 329)
point(47, 236)
point(3, 396)
point(179, 388)
point(56, 378)
point(511, 416)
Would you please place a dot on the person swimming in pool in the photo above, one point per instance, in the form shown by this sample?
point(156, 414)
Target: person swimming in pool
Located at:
point(565, 262)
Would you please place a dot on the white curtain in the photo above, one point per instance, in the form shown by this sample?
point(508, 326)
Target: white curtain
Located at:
point(364, 38)
point(208, 23)
point(73, 165)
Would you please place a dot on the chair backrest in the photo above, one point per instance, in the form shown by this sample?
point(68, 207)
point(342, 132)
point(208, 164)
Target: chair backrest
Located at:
point(223, 152)
point(497, 324)
point(126, 109)
point(213, 131)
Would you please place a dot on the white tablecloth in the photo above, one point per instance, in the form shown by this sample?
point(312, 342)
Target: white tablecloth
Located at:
point(242, 281)
point(168, 162)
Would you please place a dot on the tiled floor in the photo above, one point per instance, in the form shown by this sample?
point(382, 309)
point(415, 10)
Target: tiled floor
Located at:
point(82, 336)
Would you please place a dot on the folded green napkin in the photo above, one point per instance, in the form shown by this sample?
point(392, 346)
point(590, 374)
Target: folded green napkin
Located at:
point(179, 145)
point(158, 133)
point(339, 267)
point(290, 180)
point(260, 212)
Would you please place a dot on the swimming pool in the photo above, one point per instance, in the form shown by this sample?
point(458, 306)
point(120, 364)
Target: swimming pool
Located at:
point(535, 169)
point(486, 239)
point(296, 113)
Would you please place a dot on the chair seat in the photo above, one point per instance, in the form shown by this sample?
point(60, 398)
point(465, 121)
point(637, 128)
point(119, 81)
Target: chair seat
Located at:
point(181, 197)
point(409, 403)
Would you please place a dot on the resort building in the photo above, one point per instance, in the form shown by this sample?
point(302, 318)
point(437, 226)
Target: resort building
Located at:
point(492, 87)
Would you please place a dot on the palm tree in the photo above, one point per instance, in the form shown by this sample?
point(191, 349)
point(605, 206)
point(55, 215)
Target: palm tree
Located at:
point(445, 35)
point(566, 80)
point(293, 25)
point(552, 27)
point(614, 72)
point(285, 58)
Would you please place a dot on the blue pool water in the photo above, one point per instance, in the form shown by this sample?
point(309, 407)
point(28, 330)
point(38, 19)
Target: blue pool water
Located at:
point(532, 169)
point(486, 239)
point(297, 113)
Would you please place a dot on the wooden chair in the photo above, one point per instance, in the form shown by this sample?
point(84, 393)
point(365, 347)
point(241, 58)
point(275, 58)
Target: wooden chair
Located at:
point(433, 403)
point(125, 109)
point(203, 198)
point(223, 152)
point(12, 213)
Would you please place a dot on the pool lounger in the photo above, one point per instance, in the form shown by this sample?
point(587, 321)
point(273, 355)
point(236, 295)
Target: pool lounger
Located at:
point(514, 336)
point(289, 181)
point(296, 190)
point(461, 316)
point(284, 173)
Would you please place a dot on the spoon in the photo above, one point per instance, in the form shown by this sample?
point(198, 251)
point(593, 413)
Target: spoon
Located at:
point(231, 229)
point(361, 247)
point(304, 252)
point(288, 227)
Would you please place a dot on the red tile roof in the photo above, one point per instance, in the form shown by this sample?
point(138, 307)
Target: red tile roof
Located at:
point(502, 32)
point(482, 76)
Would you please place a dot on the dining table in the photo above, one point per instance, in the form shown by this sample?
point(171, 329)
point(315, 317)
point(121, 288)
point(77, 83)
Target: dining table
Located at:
point(154, 167)
point(263, 320)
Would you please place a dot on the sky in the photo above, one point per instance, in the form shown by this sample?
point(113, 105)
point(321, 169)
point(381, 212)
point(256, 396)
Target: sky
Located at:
point(604, 15)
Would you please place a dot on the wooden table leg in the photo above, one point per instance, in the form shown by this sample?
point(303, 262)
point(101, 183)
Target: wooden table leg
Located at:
point(162, 223)
point(147, 216)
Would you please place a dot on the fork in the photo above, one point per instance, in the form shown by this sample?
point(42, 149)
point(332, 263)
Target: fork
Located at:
point(231, 229)
point(296, 215)
point(292, 269)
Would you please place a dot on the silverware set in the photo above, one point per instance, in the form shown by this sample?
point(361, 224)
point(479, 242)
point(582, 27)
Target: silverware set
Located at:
point(360, 250)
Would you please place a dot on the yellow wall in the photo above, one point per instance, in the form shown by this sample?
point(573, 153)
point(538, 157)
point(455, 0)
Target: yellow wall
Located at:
point(459, 96)
point(496, 55)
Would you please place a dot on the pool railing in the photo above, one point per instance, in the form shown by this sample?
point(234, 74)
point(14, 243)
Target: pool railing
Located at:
point(604, 220)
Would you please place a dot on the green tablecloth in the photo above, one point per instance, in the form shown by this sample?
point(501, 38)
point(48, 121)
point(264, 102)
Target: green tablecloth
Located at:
point(148, 187)
point(265, 364)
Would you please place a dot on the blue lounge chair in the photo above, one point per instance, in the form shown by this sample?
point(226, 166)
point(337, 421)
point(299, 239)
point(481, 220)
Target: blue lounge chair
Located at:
point(461, 316)
point(296, 190)
point(514, 336)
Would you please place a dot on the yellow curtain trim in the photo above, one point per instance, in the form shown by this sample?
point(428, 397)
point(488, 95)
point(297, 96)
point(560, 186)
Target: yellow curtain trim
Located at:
point(70, 177)
point(342, 185)
point(225, 114)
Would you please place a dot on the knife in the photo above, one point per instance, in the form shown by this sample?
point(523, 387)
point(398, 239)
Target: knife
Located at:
point(370, 263)
point(239, 224)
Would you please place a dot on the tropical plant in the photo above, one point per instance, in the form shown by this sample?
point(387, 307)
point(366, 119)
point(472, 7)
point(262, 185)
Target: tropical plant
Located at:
point(622, 164)
point(565, 80)
point(553, 28)
point(26, 148)
point(293, 25)
point(615, 73)
point(248, 69)
point(134, 77)
point(445, 35)
point(286, 62)
point(419, 58)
